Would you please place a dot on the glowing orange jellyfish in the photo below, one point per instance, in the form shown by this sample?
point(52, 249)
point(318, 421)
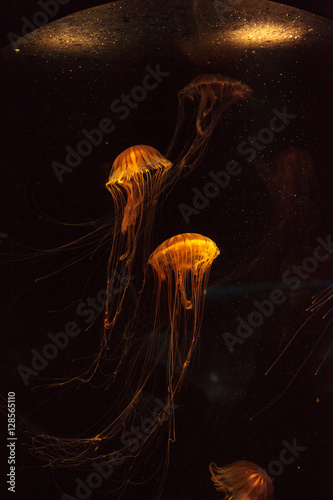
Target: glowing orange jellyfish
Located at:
point(182, 265)
point(132, 170)
point(136, 180)
point(242, 481)
point(213, 95)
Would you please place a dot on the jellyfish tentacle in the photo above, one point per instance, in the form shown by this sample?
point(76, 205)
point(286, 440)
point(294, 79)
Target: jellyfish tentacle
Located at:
point(185, 301)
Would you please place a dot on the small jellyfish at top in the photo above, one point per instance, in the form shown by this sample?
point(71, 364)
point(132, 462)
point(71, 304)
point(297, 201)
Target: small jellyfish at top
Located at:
point(182, 265)
point(212, 94)
point(242, 481)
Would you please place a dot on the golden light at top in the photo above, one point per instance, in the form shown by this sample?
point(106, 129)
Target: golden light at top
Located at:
point(260, 34)
point(68, 39)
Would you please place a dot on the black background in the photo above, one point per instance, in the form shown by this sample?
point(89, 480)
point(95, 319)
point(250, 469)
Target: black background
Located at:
point(210, 425)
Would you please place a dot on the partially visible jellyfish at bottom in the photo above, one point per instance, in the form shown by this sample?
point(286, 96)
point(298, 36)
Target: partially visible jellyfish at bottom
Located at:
point(213, 95)
point(242, 481)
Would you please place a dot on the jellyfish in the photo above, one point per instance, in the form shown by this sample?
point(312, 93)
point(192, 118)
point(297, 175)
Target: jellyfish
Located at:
point(242, 481)
point(213, 94)
point(135, 182)
point(181, 265)
point(291, 184)
point(137, 178)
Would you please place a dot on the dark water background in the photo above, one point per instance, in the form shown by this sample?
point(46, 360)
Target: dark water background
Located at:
point(48, 98)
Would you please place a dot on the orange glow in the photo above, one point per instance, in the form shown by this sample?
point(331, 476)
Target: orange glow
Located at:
point(136, 180)
point(132, 170)
point(134, 160)
point(255, 35)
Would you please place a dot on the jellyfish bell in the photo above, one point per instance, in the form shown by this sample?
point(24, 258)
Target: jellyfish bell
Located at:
point(187, 256)
point(242, 481)
point(213, 90)
point(213, 94)
point(188, 251)
point(131, 171)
